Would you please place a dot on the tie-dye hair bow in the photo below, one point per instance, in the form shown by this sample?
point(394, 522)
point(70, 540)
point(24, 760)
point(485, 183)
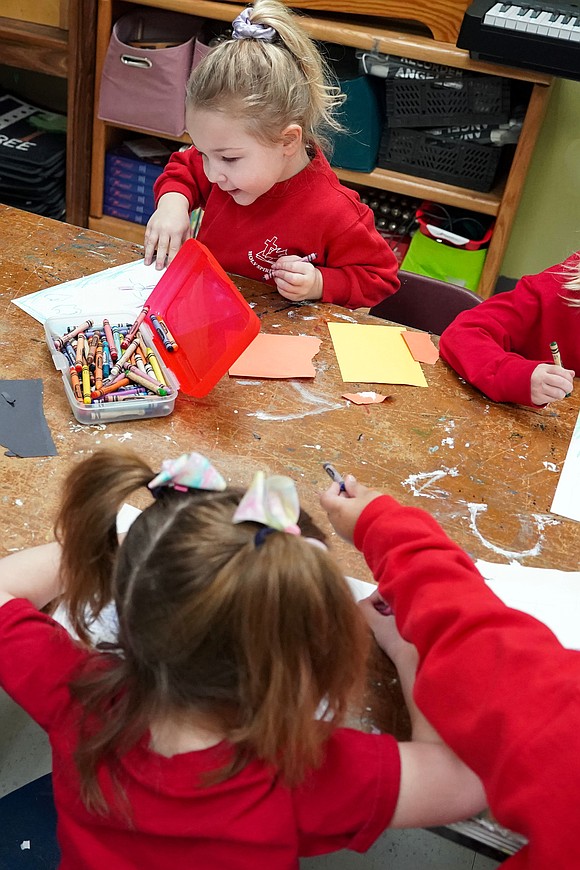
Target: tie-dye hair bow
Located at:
point(188, 471)
point(271, 501)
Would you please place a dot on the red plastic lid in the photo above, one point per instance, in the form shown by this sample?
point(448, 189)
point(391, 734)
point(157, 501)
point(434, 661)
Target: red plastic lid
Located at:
point(207, 315)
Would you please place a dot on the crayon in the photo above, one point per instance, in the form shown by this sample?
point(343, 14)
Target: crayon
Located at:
point(92, 349)
point(154, 363)
point(117, 342)
point(557, 358)
point(109, 388)
point(135, 328)
point(76, 384)
point(110, 339)
point(106, 359)
point(138, 377)
point(86, 384)
point(80, 352)
point(168, 334)
point(70, 333)
point(307, 259)
point(160, 332)
point(99, 367)
point(69, 352)
point(123, 359)
point(122, 397)
point(140, 363)
point(334, 475)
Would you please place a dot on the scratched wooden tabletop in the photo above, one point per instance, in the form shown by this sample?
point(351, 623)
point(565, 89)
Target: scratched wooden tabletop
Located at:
point(487, 472)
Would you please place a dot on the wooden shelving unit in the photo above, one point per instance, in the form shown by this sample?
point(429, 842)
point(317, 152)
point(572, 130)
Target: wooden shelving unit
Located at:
point(502, 202)
point(66, 53)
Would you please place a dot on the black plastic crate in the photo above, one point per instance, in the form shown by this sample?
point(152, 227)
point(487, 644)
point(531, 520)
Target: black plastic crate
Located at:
point(415, 152)
point(447, 100)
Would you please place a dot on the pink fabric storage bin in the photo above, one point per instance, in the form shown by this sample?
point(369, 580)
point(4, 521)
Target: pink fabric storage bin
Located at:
point(144, 87)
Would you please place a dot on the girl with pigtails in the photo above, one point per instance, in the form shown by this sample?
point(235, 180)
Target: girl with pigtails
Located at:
point(259, 108)
point(210, 734)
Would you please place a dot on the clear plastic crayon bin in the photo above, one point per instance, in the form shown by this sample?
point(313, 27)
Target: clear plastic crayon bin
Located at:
point(209, 319)
point(137, 408)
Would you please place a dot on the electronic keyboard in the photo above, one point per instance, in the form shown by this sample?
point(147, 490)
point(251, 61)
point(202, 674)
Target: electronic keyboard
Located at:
point(539, 35)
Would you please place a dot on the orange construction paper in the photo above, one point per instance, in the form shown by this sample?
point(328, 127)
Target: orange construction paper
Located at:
point(366, 398)
point(278, 356)
point(421, 346)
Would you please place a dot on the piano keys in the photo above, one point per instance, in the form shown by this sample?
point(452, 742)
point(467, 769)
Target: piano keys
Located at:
point(539, 35)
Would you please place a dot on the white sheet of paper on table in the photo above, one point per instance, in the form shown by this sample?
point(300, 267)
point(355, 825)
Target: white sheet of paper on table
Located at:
point(551, 596)
point(566, 501)
point(120, 288)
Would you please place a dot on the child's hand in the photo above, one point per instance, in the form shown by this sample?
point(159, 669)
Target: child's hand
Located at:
point(344, 508)
point(167, 229)
point(550, 383)
point(296, 279)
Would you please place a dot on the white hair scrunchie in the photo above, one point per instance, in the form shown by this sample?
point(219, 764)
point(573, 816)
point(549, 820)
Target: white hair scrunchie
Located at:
point(244, 29)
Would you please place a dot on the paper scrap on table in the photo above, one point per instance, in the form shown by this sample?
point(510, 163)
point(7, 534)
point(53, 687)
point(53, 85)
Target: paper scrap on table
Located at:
point(421, 347)
point(551, 596)
point(368, 397)
point(278, 356)
point(566, 501)
point(374, 354)
point(120, 288)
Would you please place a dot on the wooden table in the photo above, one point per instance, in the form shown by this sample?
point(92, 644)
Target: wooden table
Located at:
point(487, 472)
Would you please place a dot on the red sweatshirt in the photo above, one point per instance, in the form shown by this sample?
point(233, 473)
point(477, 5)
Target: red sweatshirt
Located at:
point(309, 213)
point(495, 683)
point(497, 345)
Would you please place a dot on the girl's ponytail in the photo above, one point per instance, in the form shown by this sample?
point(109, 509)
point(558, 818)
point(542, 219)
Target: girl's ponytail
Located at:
point(86, 528)
point(269, 82)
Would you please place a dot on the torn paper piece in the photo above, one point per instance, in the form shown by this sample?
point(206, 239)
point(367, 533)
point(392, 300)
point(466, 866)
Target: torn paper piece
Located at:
point(374, 354)
point(278, 356)
point(421, 347)
point(366, 398)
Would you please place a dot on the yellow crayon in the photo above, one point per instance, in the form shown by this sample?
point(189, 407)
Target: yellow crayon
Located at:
point(152, 360)
point(86, 379)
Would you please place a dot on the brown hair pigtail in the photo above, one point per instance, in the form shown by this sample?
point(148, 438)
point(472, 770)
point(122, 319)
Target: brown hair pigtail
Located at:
point(86, 529)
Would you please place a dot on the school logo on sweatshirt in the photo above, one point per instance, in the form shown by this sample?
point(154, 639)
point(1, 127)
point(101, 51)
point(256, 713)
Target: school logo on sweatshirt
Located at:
point(265, 259)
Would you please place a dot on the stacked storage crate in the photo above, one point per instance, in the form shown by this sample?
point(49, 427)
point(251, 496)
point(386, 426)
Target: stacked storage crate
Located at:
point(445, 124)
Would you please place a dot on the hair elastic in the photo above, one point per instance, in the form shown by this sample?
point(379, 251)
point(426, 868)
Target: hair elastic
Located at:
point(262, 534)
point(243, 28)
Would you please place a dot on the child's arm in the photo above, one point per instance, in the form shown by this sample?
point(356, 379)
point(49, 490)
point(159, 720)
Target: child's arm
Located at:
point(359, 268)
point(496, 683)
point(436, 787)
point(32, 574)
point(180, 188)
point(498, 346)
point(167, 229)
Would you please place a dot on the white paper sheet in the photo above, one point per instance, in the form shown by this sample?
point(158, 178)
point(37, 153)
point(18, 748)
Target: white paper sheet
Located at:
point(121, 288)
point(549, 595)
point(566, 501)
point(360, 588)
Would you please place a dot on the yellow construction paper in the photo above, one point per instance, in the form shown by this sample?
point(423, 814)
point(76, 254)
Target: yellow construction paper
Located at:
point(374, 354)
